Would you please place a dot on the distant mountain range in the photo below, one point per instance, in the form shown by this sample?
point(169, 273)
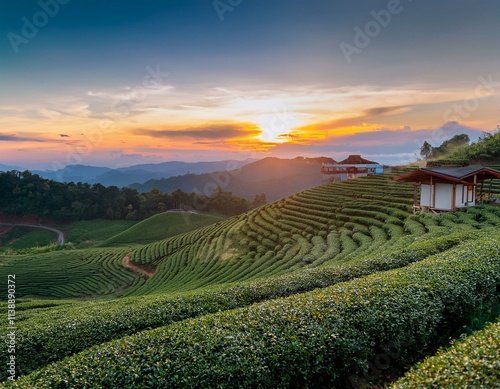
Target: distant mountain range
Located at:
point(275, 177)
point(135, 174)
point(6, 168)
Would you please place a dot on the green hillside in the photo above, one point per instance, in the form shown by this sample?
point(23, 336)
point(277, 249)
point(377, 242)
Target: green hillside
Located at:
point(87, 233)
point(327, 225)
point(18, 238)
point(318, 339)
point(485, 151)
point(162, 226)
point(306, 290)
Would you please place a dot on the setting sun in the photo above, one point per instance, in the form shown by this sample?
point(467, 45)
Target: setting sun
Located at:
point(278, 126)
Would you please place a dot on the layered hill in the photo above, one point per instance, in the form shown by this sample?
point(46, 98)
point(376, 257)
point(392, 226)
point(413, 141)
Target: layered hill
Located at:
point(310, 290)
point(275, 177)
point(162, 226)
point(136, 173)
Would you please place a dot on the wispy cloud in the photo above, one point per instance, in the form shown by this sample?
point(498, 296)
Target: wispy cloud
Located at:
point(194, 122)
point(367, 116)
point(212, 131)
point(16, 138)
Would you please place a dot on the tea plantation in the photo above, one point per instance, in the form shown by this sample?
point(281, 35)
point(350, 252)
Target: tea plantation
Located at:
point(470, 363)
point(340, 285)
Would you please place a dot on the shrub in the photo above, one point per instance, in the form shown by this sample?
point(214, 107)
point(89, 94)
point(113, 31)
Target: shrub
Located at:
point(325, 337)
point(473, 362)
point(85, 326)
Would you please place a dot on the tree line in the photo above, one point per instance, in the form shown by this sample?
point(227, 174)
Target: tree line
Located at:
point(449, 146)
point(486, 148)
point(27, 194)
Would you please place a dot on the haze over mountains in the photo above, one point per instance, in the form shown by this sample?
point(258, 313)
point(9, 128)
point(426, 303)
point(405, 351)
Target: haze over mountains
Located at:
point(137, 173)
point(275, 177)
point(5, 168)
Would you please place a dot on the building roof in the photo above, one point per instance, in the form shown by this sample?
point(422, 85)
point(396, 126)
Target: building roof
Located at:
point(452, 174)
point(355, 160)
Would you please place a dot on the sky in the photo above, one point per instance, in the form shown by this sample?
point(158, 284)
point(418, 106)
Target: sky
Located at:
point(119, 82)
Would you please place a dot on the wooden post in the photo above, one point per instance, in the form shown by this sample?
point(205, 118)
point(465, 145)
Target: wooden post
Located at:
point(454, 196)
point(416, 200)
point(433, 189)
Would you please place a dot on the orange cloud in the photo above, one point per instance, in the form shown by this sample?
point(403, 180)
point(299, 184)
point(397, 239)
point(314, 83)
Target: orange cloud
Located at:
point(364, 122)
point(209, 131)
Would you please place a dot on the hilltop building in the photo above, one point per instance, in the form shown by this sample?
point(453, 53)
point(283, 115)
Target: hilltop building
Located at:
point(448, 188)
point(351, 167)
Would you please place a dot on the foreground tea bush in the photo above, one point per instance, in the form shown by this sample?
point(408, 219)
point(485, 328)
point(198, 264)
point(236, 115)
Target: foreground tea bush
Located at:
point(325, 337)
point(42, 339)
point(471, 363)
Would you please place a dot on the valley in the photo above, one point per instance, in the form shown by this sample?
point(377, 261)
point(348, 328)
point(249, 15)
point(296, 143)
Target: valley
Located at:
point(297, 248)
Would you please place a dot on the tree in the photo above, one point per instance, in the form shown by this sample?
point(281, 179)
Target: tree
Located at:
point(259, 200)
point(228, 204)
point(179, 197)
point(426, 150)
point(451, 145)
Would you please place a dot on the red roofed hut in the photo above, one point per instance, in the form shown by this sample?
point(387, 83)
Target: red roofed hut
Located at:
point(447, 188)
point(351, 167)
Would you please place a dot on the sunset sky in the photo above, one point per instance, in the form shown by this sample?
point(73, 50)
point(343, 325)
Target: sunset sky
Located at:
point(117, 83)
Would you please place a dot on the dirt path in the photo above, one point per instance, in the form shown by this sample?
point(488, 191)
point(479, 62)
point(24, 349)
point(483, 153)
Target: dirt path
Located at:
point(60, 234)
point(129, 265)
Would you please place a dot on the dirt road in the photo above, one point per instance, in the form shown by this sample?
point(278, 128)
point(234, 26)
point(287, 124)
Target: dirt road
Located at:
point(60, 234)
point(128, 264)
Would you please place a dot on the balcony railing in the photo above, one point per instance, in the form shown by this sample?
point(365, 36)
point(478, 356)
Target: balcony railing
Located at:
point(347, 170)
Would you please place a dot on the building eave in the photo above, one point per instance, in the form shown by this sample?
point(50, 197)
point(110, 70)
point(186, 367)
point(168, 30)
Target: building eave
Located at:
point(419, 175)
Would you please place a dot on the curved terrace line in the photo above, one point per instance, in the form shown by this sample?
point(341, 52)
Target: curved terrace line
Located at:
point(60, 234)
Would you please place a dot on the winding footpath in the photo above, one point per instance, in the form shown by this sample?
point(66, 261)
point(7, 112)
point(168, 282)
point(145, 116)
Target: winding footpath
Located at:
point(129, 265)
point(60, 234)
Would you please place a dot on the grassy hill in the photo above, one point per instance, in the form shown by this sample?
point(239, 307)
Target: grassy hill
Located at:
point(162, 226)
point(18, 238)
point(80, 234)
point(310, 289)
point(332, 223)
point(102, 233)
point(87, 233)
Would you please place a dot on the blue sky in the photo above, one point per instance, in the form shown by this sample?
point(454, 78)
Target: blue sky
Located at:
point(121, 82)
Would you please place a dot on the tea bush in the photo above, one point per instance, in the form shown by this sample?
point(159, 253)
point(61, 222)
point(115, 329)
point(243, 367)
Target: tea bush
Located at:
point(87, 324)
point(473, 362)
point(324, 337)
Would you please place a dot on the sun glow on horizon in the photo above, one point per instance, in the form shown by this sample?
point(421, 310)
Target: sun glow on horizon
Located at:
point(277, 127)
